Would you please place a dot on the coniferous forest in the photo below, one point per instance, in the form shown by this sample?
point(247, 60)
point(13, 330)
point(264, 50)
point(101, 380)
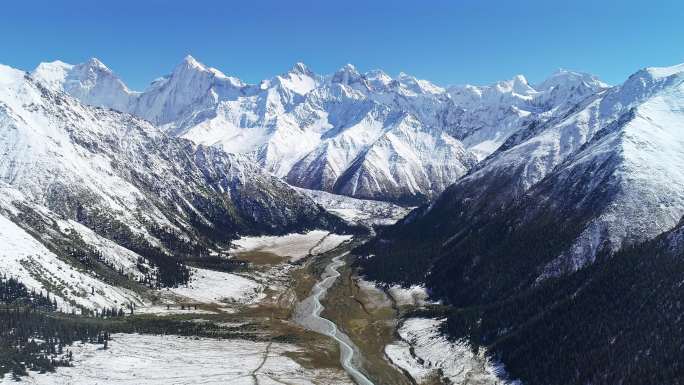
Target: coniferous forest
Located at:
point(34, 336)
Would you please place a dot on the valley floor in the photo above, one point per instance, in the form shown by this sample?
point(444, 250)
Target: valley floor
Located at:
point(242, 328)
point(169, 359)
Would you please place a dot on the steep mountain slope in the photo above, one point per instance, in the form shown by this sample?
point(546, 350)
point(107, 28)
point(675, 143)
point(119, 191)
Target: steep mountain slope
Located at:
point(363, 135)
point(75, 177)
point(616, 321)
point(554, 200)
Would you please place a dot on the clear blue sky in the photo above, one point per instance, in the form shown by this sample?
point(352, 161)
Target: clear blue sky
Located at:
point(448, 42)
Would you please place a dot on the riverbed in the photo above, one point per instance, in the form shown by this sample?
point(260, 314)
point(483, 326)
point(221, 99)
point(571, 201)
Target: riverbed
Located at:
point(308, 314)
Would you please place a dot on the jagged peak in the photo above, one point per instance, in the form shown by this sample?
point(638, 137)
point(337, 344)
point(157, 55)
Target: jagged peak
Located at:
point(518, 84)
point(418, 85)
point(94, 62)
point(301, 69)
point(189, 63)
point(348, 69)
point(564, 76)
point(378, 78)
point(664, 72)
point(346, 74)
point(378, 73)
point(520, 80)
point(189, 60)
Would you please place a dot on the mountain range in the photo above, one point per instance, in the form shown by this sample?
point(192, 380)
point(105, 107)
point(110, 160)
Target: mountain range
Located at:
point(80, 181)
point(544, 226)
point(548, 217)
point(364, 135)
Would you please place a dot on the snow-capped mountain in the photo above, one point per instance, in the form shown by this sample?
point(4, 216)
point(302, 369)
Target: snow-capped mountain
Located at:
point(77, 178)
point(364, 135)
point(559, 194)
point(489, 115)
point(565, 243)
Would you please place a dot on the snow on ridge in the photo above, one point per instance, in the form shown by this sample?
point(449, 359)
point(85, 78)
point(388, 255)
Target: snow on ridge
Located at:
point(287, 121)
point(661, 72)
point(645, 156)
point(425, 354)
point(26, 259)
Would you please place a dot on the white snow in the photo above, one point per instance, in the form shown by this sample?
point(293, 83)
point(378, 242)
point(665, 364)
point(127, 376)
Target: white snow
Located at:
point(358, 211)
point(330, 242)
point(415, 295)
point(312, 129)
point(208, 286)
point(26, 259)
point(390, 138)
point(432, 352)
point(645, 159)
point(293, 246)
point(152, 359)
point(119, 257)
point(662, 72)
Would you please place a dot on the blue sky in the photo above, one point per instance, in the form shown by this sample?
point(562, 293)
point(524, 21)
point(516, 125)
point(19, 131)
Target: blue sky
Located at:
point(448, 42)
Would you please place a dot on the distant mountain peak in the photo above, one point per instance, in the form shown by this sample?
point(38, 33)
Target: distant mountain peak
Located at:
point(349, 68)
point(314, 130)
point(301, 69)
point(346, 75)
point(566, 77)
point(663, 72)
point(189, 63)
point(94, 62)
point(518, 85)
point(189, 60)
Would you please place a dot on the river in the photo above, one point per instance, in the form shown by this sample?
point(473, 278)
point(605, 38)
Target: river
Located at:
point(308, 314)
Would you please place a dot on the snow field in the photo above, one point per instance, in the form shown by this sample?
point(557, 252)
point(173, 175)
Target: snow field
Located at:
point(294, 246)
point(154, 359)
point(433, 352)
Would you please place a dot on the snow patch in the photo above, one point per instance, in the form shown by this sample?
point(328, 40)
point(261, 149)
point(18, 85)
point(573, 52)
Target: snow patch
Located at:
point(154, 359)
point(293, 246)
point(208, 286)
point(424, 352)
point(28, 260)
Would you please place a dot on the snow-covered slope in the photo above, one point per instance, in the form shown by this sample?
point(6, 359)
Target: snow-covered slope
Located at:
point(559, 194)
point(91, 82)
point(489, 115)
point(540, 247)
point(120, 201)
point(429, 357)
point(621, 153)
point(364, 135)
point(39, 268)
point(636, 164)
point(358, 211)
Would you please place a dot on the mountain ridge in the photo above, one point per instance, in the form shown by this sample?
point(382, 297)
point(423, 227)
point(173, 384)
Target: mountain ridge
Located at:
point(565, 205)
point(78, 176)
point(300, 121)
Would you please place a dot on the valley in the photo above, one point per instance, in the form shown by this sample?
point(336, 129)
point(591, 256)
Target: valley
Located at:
point(350, 228)
point(260, 325)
